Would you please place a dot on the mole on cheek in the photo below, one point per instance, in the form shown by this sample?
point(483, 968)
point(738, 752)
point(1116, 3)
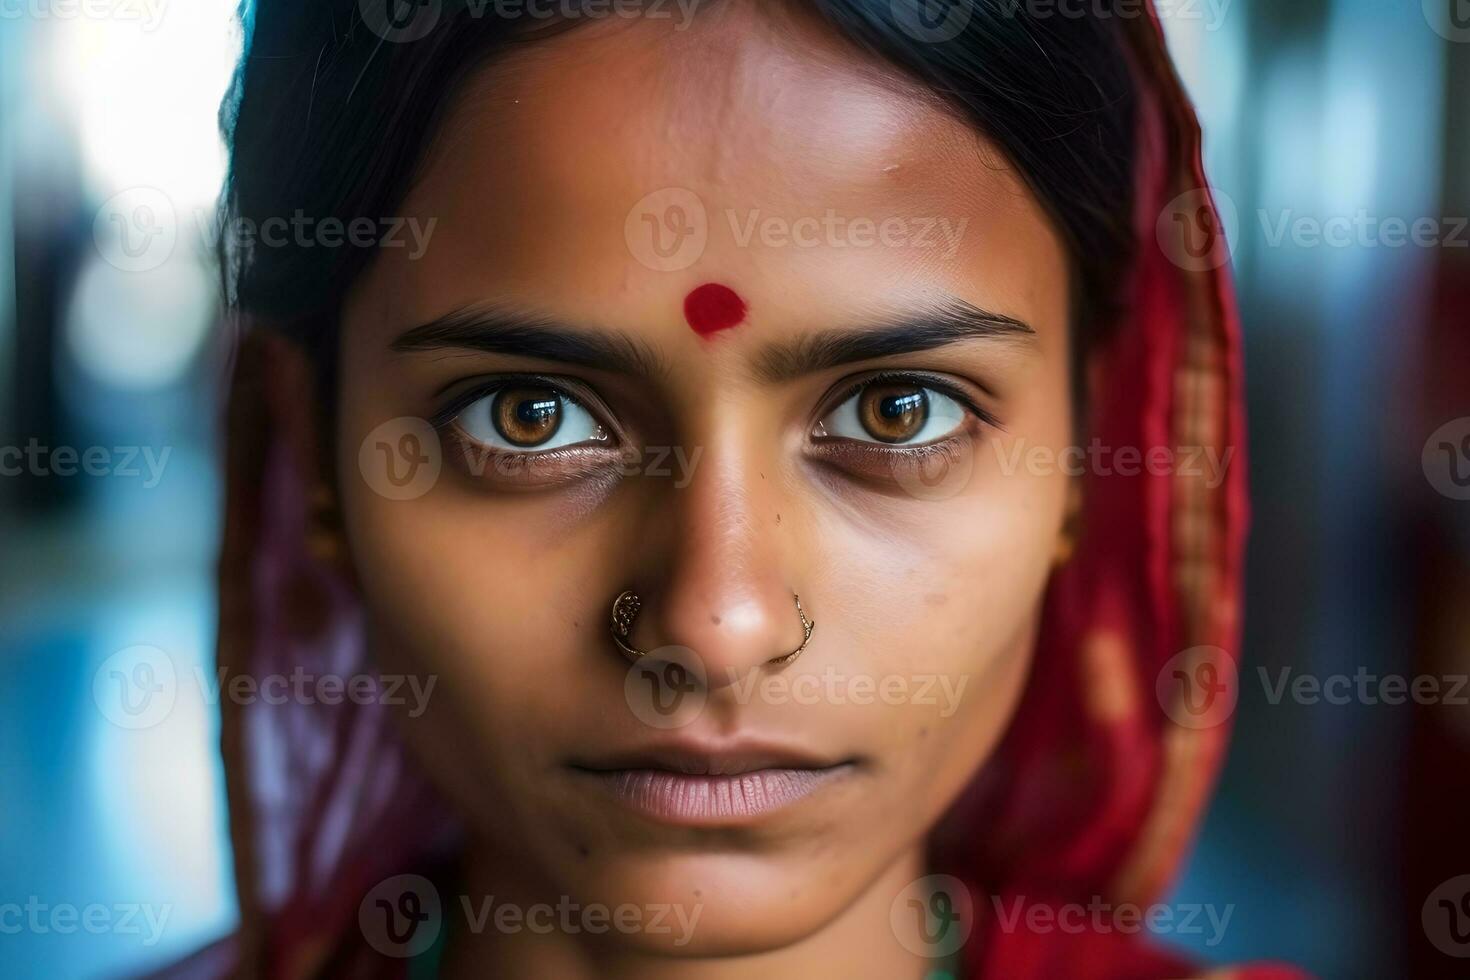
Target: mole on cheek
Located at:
point(711, 308)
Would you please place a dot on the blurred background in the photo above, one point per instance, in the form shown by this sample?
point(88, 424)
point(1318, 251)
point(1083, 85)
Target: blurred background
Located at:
point(1338, 137)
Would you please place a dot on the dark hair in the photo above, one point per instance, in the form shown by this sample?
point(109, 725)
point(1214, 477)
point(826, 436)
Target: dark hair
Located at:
point(329, 115)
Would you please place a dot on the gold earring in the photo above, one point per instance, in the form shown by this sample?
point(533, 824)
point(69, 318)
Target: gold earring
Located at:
point(324, 527)
point(1071, 527)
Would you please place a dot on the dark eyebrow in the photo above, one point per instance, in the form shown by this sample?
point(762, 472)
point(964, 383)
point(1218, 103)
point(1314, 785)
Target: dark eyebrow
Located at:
point(948, 323)
point(503, 331)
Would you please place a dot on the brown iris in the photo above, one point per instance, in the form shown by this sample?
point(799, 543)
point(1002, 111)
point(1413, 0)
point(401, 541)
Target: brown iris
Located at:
point(893, 412)
point(527, 416)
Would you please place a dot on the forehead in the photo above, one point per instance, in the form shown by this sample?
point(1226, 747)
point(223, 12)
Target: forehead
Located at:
point(600, 172)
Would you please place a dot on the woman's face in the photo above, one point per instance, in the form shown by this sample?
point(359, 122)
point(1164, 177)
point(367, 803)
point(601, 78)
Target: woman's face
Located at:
point(861, 436)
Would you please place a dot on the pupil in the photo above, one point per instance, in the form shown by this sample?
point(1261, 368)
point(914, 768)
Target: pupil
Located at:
point(527, 416)
point(536, 412)
point(899, 405)
point(895, 412)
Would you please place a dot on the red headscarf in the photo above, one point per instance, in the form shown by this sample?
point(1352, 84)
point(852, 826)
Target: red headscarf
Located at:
point(1092, 797)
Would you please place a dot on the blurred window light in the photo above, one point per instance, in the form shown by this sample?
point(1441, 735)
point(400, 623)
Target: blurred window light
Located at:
point(140, 331)
point(144, 85)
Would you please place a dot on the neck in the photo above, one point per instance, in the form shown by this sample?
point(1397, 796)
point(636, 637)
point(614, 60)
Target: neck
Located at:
point(858, 942)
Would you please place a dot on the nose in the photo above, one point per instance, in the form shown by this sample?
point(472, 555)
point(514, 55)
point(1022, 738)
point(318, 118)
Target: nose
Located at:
point(724, 587)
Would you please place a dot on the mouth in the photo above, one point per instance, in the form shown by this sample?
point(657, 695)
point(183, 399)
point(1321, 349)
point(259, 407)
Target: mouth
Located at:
point(702, 786)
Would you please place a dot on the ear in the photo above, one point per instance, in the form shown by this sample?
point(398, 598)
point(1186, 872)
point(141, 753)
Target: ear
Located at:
point(1071, 531)
point(305, 421)
point(1085, 392)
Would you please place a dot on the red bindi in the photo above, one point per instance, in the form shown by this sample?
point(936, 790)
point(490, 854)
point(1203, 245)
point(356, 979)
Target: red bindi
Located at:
point(711, 308)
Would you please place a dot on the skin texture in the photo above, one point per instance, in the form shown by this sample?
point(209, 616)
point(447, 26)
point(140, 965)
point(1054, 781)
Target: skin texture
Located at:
point(499, 585)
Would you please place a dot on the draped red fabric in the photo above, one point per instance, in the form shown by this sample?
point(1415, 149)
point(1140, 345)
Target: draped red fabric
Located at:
point(1099, 784)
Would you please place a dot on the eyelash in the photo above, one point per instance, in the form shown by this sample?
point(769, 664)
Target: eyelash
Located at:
point(919, 380)
point(446, 416)
point(531, 468)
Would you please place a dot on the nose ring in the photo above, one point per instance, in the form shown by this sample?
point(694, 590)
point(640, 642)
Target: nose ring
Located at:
point(625, 610)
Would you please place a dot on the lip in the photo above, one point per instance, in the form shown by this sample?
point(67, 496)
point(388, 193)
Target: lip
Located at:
point(700, 784)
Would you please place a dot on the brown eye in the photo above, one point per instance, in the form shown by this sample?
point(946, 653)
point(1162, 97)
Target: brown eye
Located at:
point(893, 412)
point(527, 417)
